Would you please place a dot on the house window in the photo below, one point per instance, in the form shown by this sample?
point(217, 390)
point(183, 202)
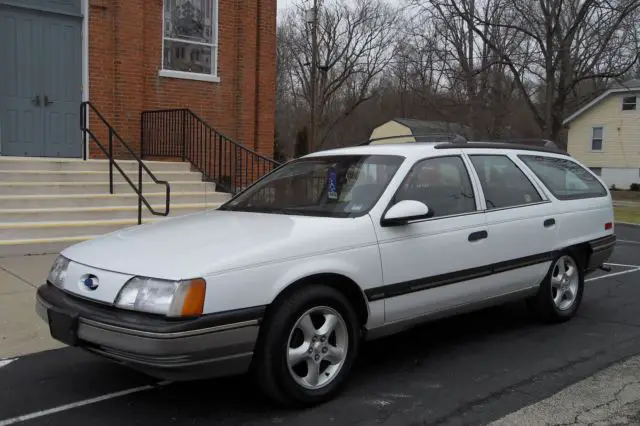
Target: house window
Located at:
point(629, 103)
point(596, 170)
point(190, 38)
point(596, 138)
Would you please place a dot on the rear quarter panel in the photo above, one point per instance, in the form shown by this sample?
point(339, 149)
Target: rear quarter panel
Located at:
point(583, 220)
point(578, 220)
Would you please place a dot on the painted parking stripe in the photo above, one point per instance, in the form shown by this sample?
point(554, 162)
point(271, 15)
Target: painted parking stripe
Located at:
point(73, 405)
point(5, 362)
point(628, 241)
point(614, 274)
point(623, 265)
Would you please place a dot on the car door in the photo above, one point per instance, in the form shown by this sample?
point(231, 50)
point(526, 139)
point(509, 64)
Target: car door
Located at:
point(430, 264)
point(520, 219)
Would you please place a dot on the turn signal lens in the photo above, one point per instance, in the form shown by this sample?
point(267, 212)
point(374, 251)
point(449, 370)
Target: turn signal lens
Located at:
point(189, 299)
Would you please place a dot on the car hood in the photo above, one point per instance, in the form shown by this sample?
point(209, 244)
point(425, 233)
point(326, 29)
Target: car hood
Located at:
point(199, 244)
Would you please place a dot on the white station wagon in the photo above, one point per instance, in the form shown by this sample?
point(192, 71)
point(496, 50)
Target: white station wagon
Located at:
point(289, 277)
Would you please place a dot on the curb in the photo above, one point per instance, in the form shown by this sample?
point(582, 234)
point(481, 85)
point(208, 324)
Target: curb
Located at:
point(635, 225)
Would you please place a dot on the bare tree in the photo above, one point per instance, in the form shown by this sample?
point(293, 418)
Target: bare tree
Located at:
point(567, 42)
point(355, 40)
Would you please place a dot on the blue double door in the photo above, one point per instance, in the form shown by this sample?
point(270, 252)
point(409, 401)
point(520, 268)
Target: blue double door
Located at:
point(40, 79)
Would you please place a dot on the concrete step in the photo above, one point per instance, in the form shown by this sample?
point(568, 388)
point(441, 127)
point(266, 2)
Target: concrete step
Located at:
point(47, 205)
point(63, 188)
point(52, 229)
point(93, 176)
point(112, 200)
point(96, 213)
point(31, 163)
point(35, 246)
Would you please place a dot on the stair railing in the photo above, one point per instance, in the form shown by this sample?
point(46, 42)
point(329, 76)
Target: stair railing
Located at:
point(180, 133)
point(85, 109)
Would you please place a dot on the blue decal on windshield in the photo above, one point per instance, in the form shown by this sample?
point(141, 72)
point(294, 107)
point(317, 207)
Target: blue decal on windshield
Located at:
point(333, 184)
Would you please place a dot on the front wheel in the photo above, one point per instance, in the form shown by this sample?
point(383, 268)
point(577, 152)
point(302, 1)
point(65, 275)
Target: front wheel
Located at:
point(561, 291)
point(308, 347)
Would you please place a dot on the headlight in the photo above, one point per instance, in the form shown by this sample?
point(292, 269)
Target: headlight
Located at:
point(58, 272)
point(170, 298)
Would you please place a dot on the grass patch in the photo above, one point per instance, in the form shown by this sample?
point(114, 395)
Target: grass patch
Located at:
point(627, 214)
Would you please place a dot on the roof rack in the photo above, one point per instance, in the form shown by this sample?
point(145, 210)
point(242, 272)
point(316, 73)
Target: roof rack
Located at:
point(422, 138)
point(528, 145)
point(543, 143)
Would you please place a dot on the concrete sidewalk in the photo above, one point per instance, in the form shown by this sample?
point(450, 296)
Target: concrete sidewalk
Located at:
point(21, 330)
point(610, 397)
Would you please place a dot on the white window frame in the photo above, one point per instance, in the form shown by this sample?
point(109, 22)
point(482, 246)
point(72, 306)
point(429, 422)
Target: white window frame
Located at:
point(213, 77)
point(592, 139)
point(622, 103)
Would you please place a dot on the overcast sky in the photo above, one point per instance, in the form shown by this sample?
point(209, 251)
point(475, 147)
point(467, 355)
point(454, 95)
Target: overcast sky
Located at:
point(282, 4)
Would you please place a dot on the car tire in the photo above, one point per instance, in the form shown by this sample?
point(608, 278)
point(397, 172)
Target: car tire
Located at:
point(560, 293)
point(293, 343)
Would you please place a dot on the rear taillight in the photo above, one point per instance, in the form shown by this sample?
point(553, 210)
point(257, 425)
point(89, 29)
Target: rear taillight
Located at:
point(608, 226)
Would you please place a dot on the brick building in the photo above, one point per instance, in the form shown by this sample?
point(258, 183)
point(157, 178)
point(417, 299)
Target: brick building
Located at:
point(215, 57)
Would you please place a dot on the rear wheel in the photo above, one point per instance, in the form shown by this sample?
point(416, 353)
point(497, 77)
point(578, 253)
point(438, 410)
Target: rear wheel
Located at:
point(561, 291)
point(308, 347)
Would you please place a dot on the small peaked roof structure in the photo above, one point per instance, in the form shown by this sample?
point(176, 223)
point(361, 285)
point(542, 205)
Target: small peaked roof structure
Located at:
point(403, 130)
point(629, 86)
point(634, 83)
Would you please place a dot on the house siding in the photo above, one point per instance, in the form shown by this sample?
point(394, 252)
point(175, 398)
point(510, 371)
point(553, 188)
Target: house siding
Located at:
point(621, 145)
point(125, 56)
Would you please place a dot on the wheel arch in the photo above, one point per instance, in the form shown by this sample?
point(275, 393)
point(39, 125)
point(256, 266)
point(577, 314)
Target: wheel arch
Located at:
point(582, 252)
point(345, 285)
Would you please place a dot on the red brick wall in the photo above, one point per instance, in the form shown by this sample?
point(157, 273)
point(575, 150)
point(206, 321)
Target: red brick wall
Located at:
point(125, 54)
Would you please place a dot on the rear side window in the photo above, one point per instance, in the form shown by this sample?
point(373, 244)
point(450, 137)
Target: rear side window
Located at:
point(503, 183)
point(566, 179)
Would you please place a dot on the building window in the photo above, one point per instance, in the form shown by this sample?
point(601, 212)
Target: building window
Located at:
point(596, 138)
point(190, 38)
point(596, 170)
point(629, 103)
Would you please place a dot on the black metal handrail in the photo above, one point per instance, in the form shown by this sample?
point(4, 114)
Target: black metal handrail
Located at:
point(180, 133)
point(85, 108)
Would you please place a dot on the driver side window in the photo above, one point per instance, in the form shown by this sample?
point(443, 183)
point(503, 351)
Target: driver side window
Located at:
point(442, 183)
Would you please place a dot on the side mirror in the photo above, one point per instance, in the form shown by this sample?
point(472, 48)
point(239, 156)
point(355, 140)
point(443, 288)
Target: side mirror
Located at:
point(405, 211)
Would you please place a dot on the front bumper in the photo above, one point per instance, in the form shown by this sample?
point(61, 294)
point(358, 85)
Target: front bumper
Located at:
point(183, 349)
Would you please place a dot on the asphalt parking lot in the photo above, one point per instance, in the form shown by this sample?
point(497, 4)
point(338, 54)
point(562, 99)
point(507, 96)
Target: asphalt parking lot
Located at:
point(466, 370)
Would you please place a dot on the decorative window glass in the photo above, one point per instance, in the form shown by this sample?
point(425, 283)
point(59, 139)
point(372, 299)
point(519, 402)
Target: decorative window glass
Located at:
point(190, 42)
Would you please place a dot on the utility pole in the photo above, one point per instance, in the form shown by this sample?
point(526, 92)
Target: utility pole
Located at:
point(312, 19)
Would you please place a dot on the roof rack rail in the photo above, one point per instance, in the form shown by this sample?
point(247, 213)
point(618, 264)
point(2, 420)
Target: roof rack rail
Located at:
point(426, 137)
point(531, 146)
point(543, 143)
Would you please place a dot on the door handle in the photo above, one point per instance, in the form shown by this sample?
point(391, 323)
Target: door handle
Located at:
point(549, 223)
point(36, 100)
point(479, 235)
point(47, 102)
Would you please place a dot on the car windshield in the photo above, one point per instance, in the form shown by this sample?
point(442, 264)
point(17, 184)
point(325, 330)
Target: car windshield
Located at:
point(330, 186)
